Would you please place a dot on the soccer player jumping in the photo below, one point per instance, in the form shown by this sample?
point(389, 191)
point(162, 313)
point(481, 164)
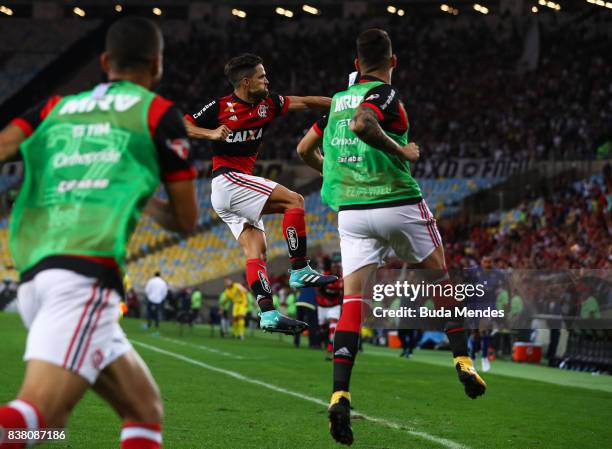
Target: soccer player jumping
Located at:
point(92, 161)
point(366, 177)
point(236, 124)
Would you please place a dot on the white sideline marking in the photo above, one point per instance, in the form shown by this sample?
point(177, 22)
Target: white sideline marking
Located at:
point(384, 422)
point(204, 348)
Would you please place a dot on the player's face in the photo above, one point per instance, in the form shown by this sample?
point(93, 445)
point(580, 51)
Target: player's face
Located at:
point(258, 83)
point(486, 263)
point(228, 283)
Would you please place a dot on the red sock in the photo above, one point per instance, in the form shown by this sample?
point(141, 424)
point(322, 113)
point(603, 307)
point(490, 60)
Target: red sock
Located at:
point(137, 435)
point(20, 415)
point(350, 318)
point(346, 341)
point(455, 332)
point(294, 231)
point(257, 278)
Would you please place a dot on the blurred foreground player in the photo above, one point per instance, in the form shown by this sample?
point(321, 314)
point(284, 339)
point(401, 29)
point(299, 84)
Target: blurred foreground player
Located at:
point(93, 161)
point(236, 124)
point(366, 177)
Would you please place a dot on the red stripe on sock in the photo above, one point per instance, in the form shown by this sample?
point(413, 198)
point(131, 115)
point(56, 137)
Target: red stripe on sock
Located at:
point(39, 416)
point(456, 329)
point(348, 362)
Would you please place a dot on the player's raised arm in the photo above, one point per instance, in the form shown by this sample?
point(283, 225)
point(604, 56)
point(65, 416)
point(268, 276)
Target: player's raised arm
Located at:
point(204, 124)
point(196, 132)
point(301, 103)
point(20, 128)
point(309, 148)
point(366, 126)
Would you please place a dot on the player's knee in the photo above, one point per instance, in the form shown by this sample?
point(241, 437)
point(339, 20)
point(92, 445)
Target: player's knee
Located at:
point(298, 200)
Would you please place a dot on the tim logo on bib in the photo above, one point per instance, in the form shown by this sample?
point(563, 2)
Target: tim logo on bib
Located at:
point(292, 238)
point(264, 281)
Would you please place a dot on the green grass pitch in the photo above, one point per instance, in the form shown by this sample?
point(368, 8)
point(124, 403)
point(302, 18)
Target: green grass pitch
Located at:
point(215, 397)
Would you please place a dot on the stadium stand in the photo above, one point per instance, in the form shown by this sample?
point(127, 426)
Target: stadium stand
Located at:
point(464, 99)
point(28, 45)
point(568, 229)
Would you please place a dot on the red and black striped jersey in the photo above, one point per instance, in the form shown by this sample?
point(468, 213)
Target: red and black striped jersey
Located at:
point(332, 294)
point(248, 123)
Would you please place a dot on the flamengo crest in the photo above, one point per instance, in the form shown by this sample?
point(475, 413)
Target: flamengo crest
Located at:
point(262, 111)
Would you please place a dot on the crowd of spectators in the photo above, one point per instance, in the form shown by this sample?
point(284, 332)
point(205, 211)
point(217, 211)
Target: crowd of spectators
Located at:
point(569, 228)
point(465, 89)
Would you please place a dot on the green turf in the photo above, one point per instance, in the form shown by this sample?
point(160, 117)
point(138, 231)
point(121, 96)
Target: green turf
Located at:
point(206, 408)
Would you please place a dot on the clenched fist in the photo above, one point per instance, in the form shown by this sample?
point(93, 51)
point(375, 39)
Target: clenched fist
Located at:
point(221, 133)
point(410, 152)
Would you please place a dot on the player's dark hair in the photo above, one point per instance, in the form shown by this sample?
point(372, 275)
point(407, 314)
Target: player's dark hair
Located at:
point(240, 67)
point(133, 42)
point(373, 49)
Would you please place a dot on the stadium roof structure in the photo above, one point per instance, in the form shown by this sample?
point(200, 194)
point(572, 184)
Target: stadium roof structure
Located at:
point(464, 6)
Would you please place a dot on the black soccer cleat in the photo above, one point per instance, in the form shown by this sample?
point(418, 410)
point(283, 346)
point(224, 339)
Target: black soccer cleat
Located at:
point(274, 321)
point(474, 384)
point(339, 413)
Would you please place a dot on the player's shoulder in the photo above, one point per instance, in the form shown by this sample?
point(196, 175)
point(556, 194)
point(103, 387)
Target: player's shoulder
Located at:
point(210, 105)
point(160, 103)
point(276, 99)
point(384, 91)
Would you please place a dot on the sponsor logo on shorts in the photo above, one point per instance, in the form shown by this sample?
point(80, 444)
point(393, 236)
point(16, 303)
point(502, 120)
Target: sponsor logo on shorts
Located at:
point(264, 281)
point(292, 238)
point(97, 358)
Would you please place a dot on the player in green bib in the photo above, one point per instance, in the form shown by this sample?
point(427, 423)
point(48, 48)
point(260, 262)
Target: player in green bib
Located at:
point(92, 162)
point(366, 178)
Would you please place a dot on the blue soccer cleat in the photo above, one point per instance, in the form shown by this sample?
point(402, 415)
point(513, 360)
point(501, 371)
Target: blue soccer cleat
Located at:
point(274, 321)
point(307, 277)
